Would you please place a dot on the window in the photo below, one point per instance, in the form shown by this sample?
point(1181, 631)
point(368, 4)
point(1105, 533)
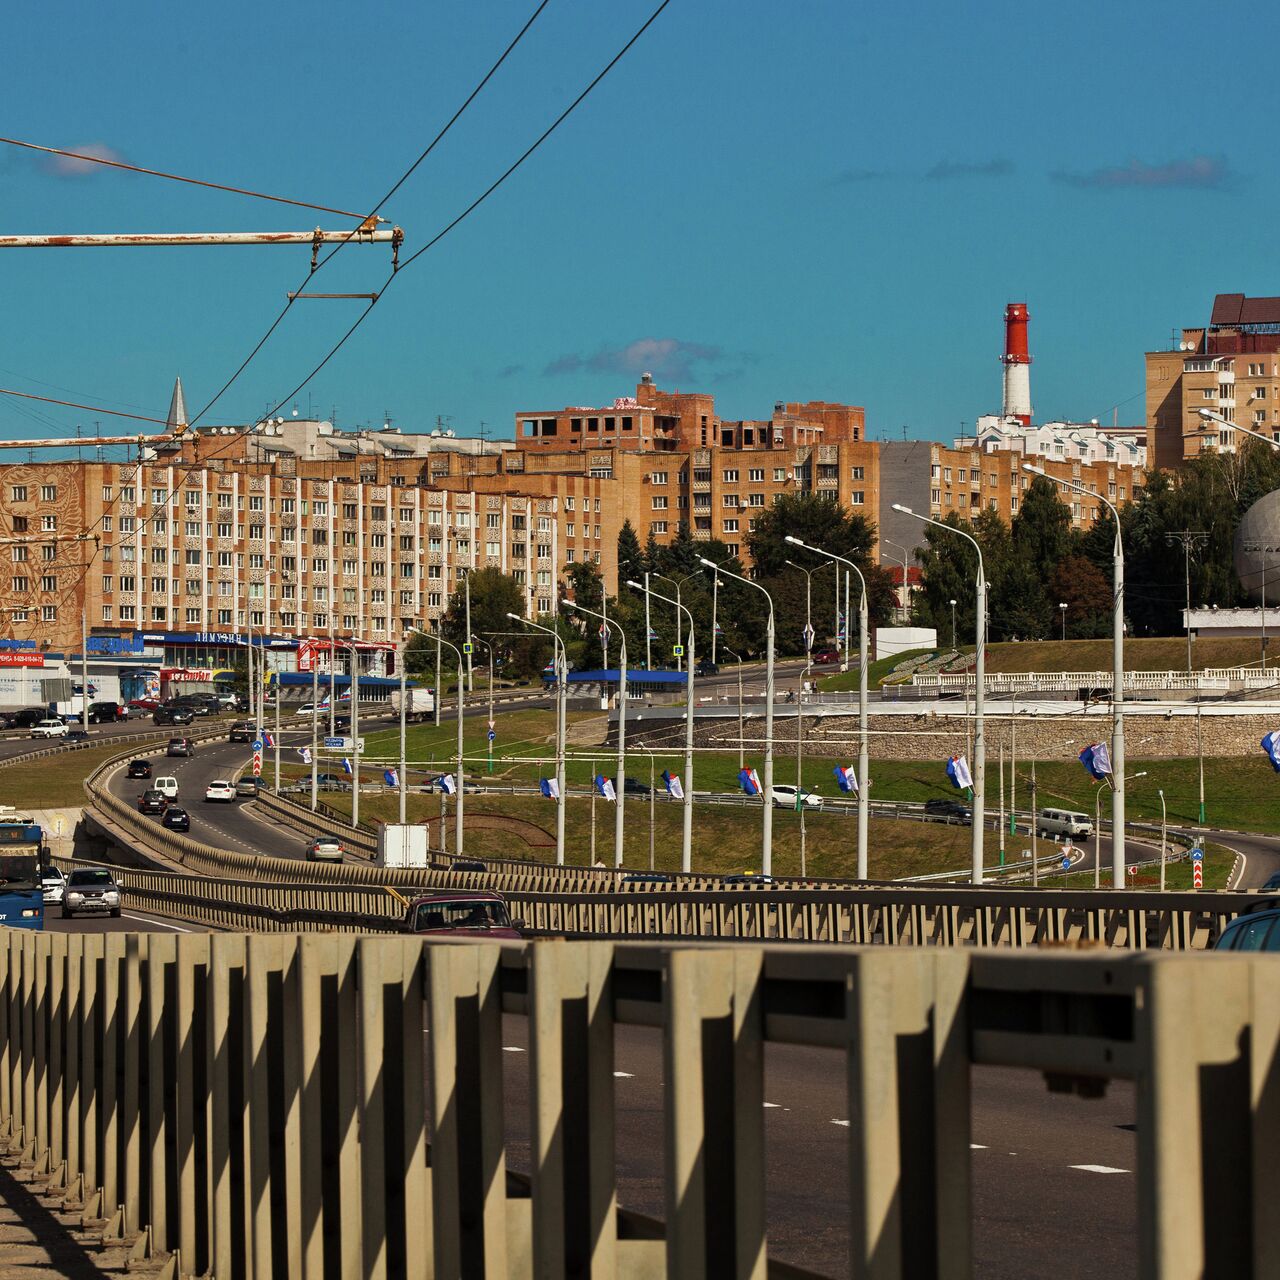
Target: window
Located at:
point(946, 474)
point(192, 498)
point(858, 473)
point(659, 526)
point(48, 553)
point(320, 508)
point(658, 477)
point(48, 524)
point(1209, 393)
point(48, 493)
point(755, 499)
point(126, 493)
point(19, 524)
point(659, 501)
point(127, 613)
point(21, 584)
point(48, 613)
point(731, 475)
point(756, 475)
point(128, 584)
point(106, 586)
point(779, 475)
point(18, 493)
point(19, 554)
point(49, 582)
point(730, 526)
point(728, 499)
point(159, 555)
point(857, 498)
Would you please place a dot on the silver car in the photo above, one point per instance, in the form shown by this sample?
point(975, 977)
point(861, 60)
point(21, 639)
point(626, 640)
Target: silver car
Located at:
point(92, 890)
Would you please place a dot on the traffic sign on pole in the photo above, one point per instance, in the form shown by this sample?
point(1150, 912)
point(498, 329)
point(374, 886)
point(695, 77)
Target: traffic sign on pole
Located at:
point(257, 764)
point(1066, 864)
point(1197, 875)
point(1197, 854)
point(677, 651)
point(468, 648)
point(492, 735)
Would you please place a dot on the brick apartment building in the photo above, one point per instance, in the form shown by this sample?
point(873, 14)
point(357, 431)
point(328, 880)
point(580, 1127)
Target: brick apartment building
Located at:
point(1230, 366)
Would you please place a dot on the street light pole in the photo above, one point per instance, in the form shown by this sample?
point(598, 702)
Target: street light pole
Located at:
point(466, 582)
point(686, 841)
point(1164, 817)
point(401, 651)
point(1063, 609)
point(766, 863)
point(562, 674)
point(488, 740)
point(906, 584)
point(1117, 679)
point(953, 625)
point(620, 785)
point(459, 779)
point(742, 761)
point(864, 783)
point(979, 730)
point(1190, 540)
point(808, 603)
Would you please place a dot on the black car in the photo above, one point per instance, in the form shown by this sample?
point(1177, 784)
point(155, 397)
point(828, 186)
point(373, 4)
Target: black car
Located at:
point(706, 667)
point(948, 811)
point(75, 735)
point(467, 864)
point(646, 877)
point(106, 713)
point(243, 731)
point(176, 819)
point(152, 801)
point(28, 717)
point(634, 787)
point(173, 715)
point(1273, 884)
point(341, 724)
point(331, 781)
point(138, 769)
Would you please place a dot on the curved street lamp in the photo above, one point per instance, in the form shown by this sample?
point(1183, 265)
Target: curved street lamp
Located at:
point(458, 806)
point(562, 684)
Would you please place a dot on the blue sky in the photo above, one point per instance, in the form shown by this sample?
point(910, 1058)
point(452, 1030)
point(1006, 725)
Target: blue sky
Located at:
point(765, 201)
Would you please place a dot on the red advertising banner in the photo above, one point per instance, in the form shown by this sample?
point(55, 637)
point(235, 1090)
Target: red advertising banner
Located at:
point(21, 660)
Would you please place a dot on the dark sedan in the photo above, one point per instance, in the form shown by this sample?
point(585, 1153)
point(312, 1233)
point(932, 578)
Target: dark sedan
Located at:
point(138, 769)
point(176, 819)
point(152, 801)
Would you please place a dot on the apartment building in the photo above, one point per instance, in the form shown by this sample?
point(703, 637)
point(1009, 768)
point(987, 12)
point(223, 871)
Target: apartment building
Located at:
point(1230, 366)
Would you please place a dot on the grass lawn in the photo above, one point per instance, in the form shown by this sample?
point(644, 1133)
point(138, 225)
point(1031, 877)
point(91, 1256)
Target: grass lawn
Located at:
point(56, 782)
point(725, 840)
point(1217, 868)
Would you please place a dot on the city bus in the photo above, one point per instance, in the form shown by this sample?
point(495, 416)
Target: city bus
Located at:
point(22, 857)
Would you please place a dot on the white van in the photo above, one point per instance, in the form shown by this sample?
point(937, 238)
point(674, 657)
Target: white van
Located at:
point(1063, 822)
point(167, 786)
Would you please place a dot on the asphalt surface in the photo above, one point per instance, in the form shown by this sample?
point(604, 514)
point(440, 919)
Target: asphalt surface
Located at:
point(19, 744)
point(1050, 1172)
point(128, 922)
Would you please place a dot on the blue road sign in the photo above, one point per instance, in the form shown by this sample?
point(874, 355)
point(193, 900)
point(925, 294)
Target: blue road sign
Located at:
point(492, 735)
point(257, 746)
point(1197, 854)
point(468, 647)
point(1066, 864)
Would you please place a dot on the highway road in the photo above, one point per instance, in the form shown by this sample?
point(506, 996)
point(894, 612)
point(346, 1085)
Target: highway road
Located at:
point(1054, 1190)
point(128, 922)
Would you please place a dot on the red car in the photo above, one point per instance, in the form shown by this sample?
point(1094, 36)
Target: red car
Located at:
point(460, 913)
point(824, 657)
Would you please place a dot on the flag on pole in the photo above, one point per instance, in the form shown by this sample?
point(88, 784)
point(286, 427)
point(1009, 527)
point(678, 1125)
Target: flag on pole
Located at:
point(324, 702)
point(346, 765)
point(653, 635)
point(719, 629)
point(268, 739)
point(750, 781)
point(846, 778)
point(1096, 760)
point(305, 753)
point(550, 788)
point(675, 788)
point(958, 772)
point(391, 777)
point(1271, 745)
point(605, 787)
point(448, 785)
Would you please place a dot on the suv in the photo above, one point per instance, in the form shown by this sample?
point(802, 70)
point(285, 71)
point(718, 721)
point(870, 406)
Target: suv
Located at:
point(29, 717)
point(152, 801)
point(784, 797)
point(106, 713)
point(138, 769)
point(49, 729)
point(706, 667)
point(90, 889)
point(948, 811)
point(173, 715)
point(243, 731)
point(1256, 930)
point(179, 747)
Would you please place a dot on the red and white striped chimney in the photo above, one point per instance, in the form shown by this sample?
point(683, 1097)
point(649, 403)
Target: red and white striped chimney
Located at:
point(1017, 363)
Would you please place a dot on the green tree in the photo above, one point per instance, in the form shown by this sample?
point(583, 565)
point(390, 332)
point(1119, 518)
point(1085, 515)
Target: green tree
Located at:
point(814, 520)
point(631, 559)
point(1042, 528)
point(1079, 584)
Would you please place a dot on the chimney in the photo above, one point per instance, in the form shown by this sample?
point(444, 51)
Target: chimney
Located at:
point(1017, 363)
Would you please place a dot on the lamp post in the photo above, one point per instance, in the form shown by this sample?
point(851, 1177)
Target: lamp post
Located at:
point(808, 600)
point(864, 783)
point(1062, 608)
point(355, 731)
point(906, 584)
point(1117, 678)
point(315, 720)
point(458, 777)
point(678, 583)
point(1164, 816)
point(488, 740)
point(742, 760)
point(979, 731)
point(621, 782)
point(952, 603)
point(766, 862)
point(686, 841)
point(562, 683)
point(1189, 540)
point(1210, 416)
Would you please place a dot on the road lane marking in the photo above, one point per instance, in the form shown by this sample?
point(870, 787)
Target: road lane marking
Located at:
point(128, 915)
point(512, 1048)
point(774, 1105)
point(1097, 1168)
point(843, 1123)
point(624, 1075)
point(977, 1146)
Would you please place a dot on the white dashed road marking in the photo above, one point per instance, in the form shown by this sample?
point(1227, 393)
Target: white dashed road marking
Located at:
point(843, 1123)
point(977, 1146)
point(512, 1048)
point(1096, 1168)
point(624, 1075)
point(128, 915)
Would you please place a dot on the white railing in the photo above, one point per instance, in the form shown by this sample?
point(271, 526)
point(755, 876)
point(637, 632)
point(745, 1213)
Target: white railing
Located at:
point(1213, 678)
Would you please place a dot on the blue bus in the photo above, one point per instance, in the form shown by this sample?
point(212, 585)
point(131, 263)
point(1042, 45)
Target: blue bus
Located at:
point(22, 858)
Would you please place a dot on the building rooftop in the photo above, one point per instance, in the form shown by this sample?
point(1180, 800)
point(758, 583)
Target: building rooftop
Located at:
point(1232, 309)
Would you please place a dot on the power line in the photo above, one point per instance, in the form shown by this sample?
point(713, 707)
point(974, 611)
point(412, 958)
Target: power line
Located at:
point(175, 177)
point(71, 404)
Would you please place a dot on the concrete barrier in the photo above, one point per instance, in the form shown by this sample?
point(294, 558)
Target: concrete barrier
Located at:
point(316, 1105)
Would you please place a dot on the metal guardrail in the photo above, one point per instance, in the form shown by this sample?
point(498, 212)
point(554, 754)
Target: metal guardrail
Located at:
point(304, 1105)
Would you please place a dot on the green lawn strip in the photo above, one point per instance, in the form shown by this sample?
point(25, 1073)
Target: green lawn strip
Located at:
point(1178, 874)
point(725, 840)
point(55, 782)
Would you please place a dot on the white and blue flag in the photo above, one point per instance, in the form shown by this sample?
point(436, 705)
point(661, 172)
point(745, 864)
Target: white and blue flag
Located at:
point(1271, 745)
point(846, 778)
point(346, 765)
point(675, 788)
point(305, 753)
point(1097, 760)
point(448, 785)
point(605, 787)
point(549, 788)
point(958, 772)
point(391, 777)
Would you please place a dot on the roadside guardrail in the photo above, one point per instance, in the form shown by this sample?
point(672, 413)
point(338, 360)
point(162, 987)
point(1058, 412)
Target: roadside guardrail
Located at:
point(355, 1086)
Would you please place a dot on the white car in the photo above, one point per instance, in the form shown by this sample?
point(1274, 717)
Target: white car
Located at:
point(54, 884)
point(784, 797)
point(310, 709)
point(49, 729)
point(219, 789)
point(166, 785)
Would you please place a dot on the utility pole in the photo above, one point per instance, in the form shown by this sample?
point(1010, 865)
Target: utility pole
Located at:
point(1190, 540)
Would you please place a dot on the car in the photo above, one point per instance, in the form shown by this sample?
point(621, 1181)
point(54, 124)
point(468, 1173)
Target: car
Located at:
point(467, 864)
point(784, 797)
point(152, 801)
point(247, 786)
point(332, 782)
point(243, 731)
point(138, 769)
point(706, 667)
point(29, 717)
point(54, 884)
point(646, 877)
point(824, 657)
point(460, 913)
point(106, 713)
point(325, 849)
point(310, 709)
point(91, 889)
point(942, 810)
point(1255, 929)
point(634, 787)
point(220, 789)
point(49, 729)
point(176, 818)
point(8, 719)
point(747, 877)
point(341, 724)
point(1273, 883)
point(76, 735)
point(141, 706)
point(168, 785)
point(180, 747)
point(172, 715)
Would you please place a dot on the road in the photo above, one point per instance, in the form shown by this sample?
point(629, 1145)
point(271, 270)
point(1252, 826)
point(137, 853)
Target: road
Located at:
point(128, 922)
point(20, 744)
point(1049, 1170)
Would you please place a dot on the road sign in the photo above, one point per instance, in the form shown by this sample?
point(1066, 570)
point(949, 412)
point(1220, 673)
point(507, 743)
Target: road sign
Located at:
point(344, 744)
point(1133, 871)
point(809, 634)
point(467, 647)
point(492, 735)
point(1197, 875)
point(1066, 864)
point(257, 764)
point(1197, 854)
point(257, 746)
point(677, 651)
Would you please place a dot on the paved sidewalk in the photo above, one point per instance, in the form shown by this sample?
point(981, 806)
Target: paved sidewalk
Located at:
point(41, 1234)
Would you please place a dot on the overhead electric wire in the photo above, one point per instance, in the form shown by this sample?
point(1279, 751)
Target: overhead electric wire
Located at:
point(395, 186)
point(71, 404)
point(175, 177)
